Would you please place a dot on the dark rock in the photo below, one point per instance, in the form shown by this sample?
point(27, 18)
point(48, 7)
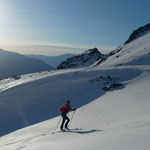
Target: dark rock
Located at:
point(15, 77)
point(83, 60)
point(106, 56)
point(114, 85)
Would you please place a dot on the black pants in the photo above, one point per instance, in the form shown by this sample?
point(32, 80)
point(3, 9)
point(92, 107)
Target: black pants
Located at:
point(64, 115)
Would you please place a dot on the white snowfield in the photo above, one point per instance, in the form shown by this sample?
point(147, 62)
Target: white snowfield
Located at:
point(118, 119)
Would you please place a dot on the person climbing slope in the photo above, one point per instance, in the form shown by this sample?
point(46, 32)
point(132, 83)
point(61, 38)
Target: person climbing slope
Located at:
point(64, 110)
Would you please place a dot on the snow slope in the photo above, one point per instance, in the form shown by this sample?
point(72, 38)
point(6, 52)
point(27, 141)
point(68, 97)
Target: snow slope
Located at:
point(118, 119)
point(136, 52)
point(141, 31)
point(38, 100)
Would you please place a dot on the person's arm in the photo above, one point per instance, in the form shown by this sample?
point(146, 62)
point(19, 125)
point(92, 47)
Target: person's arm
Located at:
point(72, 109)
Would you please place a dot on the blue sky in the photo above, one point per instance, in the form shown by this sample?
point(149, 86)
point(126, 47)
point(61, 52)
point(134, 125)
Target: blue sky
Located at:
point(54, 27)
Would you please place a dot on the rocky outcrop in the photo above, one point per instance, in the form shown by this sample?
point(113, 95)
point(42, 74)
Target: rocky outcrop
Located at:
point(83, 60)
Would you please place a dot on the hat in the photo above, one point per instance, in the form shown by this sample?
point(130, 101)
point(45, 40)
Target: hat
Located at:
point(68, 101)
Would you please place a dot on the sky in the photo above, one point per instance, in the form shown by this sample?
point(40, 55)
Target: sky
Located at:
point(54, 27)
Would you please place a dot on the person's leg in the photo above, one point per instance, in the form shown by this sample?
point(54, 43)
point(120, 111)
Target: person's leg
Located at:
point(68, 120)
point(63, 121)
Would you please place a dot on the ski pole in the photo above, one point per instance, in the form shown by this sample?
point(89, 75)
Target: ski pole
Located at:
point(57, 125)
point(72, 117)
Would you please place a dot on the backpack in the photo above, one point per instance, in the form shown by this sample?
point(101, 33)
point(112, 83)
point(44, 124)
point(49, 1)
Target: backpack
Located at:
point(62, 109)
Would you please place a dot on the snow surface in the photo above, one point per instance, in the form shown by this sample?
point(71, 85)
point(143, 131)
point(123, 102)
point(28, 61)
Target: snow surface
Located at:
point(39, 100)
point(118, 119)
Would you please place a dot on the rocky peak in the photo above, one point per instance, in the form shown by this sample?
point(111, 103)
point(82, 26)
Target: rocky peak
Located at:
point(92, 51)
point(138, 33)
point(83, 60)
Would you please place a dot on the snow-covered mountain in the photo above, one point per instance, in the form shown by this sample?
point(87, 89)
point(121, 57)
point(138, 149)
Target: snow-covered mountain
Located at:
point(83, 60)
point(112, 101)
point(53, 61)
point(136, 51)
point(16, 64)
point(138, 33)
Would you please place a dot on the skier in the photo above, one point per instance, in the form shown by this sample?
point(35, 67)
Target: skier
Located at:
point(64, 110)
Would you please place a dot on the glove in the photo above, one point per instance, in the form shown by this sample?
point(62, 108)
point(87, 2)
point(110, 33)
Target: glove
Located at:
point(75, 109)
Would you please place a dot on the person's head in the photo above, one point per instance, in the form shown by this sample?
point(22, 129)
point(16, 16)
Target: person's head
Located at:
point(68, 102)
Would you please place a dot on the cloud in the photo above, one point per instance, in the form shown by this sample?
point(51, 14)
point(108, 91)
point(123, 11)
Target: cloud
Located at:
point(52, 49)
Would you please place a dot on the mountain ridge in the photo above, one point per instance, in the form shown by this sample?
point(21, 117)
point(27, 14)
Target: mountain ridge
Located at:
point(141, 31)
point(16, 64)
point(53, 61)
point(137, 43)
point(82, 60)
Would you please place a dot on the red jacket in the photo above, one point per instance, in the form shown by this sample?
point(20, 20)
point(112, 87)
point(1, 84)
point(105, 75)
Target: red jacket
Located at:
point(66, 108)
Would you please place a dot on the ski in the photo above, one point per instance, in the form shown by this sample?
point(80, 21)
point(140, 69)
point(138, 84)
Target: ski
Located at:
point(65, 130)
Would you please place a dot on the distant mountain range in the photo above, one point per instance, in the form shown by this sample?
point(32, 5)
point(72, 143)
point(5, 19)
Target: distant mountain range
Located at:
point(17, 64)
point(53, 61)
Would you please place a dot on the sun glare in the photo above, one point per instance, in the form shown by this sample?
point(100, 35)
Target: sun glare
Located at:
point(4, 7)
point(4, 13)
